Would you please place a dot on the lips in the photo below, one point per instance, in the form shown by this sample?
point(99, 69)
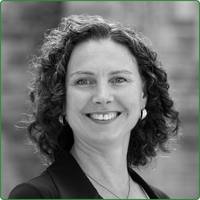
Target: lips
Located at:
point(103, 116)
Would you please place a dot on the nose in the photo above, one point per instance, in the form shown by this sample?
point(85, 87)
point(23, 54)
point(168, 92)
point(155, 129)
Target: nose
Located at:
point(103, 95)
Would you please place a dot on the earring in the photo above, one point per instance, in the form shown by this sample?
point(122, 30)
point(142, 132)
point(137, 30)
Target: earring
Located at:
point(143, 113)
point(62, 119)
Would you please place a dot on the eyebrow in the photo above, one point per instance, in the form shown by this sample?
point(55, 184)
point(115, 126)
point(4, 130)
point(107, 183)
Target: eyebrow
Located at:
point(82, 73)
point(120, 72)
point(91, 73)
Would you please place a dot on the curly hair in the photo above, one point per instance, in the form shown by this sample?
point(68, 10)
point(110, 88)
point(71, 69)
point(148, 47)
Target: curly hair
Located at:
point(47, 90)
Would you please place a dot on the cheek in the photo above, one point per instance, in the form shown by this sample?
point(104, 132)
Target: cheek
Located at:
point(131, 100)
point(75, 102)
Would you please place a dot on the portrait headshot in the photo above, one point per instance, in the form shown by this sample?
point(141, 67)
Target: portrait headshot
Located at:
point(100, 100)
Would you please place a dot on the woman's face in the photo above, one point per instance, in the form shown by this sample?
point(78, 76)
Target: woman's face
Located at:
point(104, 91)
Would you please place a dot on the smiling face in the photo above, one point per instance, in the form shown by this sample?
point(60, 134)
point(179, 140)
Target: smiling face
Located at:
point(104, 92)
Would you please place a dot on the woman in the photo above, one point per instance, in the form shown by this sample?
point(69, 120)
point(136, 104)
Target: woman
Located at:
point(100, 107)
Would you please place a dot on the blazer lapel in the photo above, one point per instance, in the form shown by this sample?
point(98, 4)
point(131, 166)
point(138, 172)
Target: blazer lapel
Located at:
point(70, 180)
point(148, 189)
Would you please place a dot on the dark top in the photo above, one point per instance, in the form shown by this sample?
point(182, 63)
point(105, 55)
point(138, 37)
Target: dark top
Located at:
point(65, 179)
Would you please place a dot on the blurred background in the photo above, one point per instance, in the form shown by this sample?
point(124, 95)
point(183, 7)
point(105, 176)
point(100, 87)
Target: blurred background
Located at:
point(172, 27)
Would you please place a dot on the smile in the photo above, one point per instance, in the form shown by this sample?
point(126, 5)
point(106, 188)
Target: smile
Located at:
point(103, 117)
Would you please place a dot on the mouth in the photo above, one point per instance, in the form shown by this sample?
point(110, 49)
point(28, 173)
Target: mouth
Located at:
point(103, 117)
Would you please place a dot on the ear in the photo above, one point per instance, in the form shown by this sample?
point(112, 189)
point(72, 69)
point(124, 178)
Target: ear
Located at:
point(144, 96)
point(144, 100)
point(64, 109)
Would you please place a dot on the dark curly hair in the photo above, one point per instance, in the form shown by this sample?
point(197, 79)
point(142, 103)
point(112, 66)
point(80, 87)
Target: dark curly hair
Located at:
point(47, 129)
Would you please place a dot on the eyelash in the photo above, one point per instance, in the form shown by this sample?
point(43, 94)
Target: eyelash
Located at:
point(84, 79)
point(90, 82)
point(120, 78)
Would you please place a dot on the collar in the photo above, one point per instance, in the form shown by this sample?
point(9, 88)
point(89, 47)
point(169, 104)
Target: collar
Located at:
point(72, 183)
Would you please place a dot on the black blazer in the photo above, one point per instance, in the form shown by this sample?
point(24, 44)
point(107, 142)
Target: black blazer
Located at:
point(64, 179)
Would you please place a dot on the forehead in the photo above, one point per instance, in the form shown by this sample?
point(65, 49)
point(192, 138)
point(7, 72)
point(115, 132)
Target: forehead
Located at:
point(104, 54)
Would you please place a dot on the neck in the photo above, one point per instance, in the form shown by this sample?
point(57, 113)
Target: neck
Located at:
point(107, 164)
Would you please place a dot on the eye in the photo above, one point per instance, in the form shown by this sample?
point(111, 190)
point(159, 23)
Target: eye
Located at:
point(84, 82)
point(119, 80)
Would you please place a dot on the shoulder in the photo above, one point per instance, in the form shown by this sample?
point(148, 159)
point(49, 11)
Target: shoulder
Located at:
point(159, 193)
point(41, 187)
point(26, 191)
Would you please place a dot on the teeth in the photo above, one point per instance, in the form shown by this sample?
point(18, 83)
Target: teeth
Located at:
point(100, 117)
point(103, 117)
